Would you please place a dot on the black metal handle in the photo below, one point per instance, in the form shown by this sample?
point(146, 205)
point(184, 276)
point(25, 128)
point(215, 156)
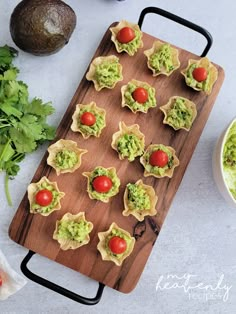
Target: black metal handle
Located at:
point(181, 21)
point(50, 285)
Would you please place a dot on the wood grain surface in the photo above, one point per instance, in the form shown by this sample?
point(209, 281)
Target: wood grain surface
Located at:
point(35, 231)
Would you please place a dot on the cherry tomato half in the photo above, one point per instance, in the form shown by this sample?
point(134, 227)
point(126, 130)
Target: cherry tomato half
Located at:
point(200, 74)
point(125, 35)
point(117, 245)
point(88, 118)
point(158, 158)
point(44, 197)
point(102, 184)
point(140, 95)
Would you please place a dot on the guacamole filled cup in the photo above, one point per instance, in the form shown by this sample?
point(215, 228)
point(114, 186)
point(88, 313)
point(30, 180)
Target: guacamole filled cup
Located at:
point(127, 37)
point(200, 75)
point(105, 72)
point(162, 58)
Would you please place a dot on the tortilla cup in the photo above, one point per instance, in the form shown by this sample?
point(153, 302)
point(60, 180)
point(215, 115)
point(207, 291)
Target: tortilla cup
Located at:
point(137, 213)
point(91, 107)
point(169, 171)
point(103, 196)
point(211, 70)
point(123, 130)
point(118, 260)
point(91, 74)
point(174, 56)
point(66, 244)
point(35, 187)
point(189, 105)
point(119, 47)
point(140, 107)
point(59, 146)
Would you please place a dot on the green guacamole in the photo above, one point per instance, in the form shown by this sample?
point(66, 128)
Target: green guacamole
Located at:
point(99, 171)
point(46, 209)
point(66, 159)
point(96, 127)
point(229, 159)
point(151, 101)
point(138, 199)
point(130, 146)
point(180, 116)
point(162, 59)
point(158, 170)
point(108, 73)
point(71, 230)
point(204, 85)
point(132, 46)
point(118, 233)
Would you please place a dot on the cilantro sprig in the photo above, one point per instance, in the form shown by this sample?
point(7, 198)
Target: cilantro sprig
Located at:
point(23, 125)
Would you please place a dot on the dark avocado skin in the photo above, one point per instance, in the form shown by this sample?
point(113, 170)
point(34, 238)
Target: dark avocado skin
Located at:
point(42, 27)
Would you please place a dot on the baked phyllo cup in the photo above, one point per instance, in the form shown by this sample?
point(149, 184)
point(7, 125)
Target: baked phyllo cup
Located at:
point(105, 72)
point(127, 37)
point(162, 58)
point(115, 244)
point(72, 231)
point(138, 96)
point(65, 156)
point(139, 200)
point(128, 141)
point(179, 113)
point(44, 197)
point(102, 184)
point(201, 75)
point(89, 120)
point(159, 161)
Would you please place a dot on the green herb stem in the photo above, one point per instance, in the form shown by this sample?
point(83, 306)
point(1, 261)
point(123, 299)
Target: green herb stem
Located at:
point(4, 125)
point(8, 196)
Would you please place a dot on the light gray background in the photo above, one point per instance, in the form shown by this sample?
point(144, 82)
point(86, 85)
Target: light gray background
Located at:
point(198, 237)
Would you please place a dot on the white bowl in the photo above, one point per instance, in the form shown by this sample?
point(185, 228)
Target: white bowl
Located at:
point(217, 167)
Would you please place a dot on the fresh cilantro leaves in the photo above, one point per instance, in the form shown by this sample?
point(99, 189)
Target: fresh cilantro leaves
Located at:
point(23, 123)
point(6, 56)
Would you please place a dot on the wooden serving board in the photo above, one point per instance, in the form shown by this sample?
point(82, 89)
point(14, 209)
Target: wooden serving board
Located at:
point(35, 231)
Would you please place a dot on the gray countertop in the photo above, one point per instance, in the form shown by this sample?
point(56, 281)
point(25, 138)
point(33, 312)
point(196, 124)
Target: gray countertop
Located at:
point(192, 268)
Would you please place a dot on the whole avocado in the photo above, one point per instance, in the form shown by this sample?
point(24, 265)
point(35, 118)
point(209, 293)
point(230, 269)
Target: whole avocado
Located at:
point(42, 27)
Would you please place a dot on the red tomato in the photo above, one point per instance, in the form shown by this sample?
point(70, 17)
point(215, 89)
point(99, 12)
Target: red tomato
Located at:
point(44, 197)
point(0, 281)
point(125, 35)
point(140, 95)
point(158, 158)
point(117, 245)
point(200, 74)
point(102, 184)
point(88, 118)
